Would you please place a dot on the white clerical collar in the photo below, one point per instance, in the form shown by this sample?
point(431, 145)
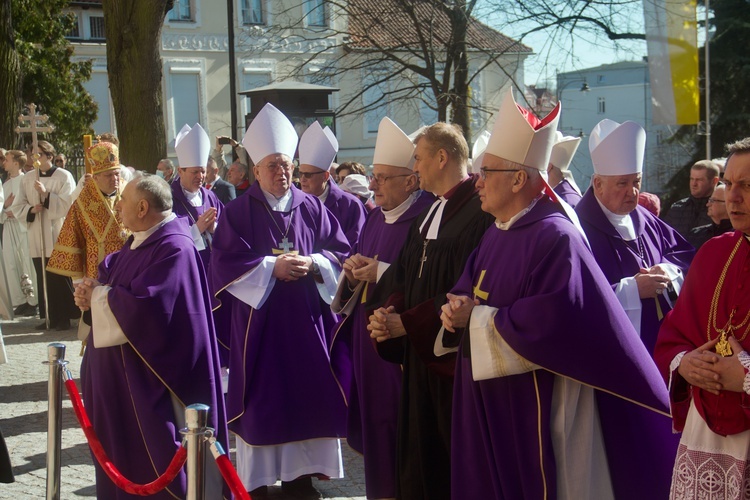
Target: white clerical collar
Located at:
point(504, 226)
point(195, 199)
point(437, 208)
point(140, 236)
point(622, 223)
point(392, 216)
point(283, 204)
point(324, 195)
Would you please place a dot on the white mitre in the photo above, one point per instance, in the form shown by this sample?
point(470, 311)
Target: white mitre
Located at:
point(270, 133)
point(562, 154)
point(393, 147)
point(192, 146)
point(617, 149)
point(515, 139)
point(318, 147)
point(477, 152)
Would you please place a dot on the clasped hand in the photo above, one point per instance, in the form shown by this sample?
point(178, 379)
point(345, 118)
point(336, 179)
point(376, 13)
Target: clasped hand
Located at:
point(291, 267)
point(385, 324)
point(359, 268)
point(83, 291)
point(711, 372)
point(455, 313)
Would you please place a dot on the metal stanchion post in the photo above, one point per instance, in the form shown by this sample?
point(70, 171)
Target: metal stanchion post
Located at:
point(56, 362)
point(196, 418)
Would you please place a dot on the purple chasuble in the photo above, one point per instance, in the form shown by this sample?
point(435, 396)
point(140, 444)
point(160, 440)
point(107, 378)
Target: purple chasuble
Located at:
point(281, 386)
point(373, 385)
point(555, 309)
point(182, 207)
point(655, 243)
point(348, 210)
point(568, 193)
point(160, 298)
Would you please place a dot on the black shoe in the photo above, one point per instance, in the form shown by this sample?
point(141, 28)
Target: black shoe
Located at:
point(301, 488)
point(261, 492)
point(62, 325)
point(25, 309)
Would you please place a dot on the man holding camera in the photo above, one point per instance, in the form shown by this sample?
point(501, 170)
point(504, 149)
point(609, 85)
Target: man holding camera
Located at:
point(643, 258)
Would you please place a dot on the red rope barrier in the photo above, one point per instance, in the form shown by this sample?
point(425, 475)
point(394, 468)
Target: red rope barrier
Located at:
point(230, 476)
point(109, 468)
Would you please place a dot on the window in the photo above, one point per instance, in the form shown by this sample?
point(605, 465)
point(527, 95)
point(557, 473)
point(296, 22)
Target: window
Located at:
point(98, 87)
point(315, 13)
point(185, 95)
point(600, 79)
point(253, 80)
point(75, 30)
point(181, 11)
point(601, 106)
point(253, 12)
point(96, 27)
point(374, 99)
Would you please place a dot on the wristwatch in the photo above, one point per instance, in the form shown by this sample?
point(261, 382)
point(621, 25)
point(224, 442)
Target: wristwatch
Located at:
point(315, 268)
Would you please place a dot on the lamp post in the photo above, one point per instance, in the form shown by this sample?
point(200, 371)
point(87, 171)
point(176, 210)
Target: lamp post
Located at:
point(584, 88)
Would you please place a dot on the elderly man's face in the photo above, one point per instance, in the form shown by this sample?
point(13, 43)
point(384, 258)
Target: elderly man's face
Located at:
point(619, 193)
point(211, 171)
point(700, 186)
point(496, 187)
point(389, 185)
point(737, 180)
point(128, 207)
point(191, 178)
point(235, 174)
point(312, 180)
point(165, 170)
point(108, 182)
point(274, 174)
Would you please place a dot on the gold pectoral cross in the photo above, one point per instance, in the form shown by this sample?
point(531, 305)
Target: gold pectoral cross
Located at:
point(722, 346)
point(423, 259)
point(478, 292)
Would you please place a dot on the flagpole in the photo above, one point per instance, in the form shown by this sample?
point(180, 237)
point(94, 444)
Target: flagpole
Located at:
point(708, 90)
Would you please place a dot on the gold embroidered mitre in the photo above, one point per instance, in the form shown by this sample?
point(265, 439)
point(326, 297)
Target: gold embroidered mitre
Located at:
point(103, 156)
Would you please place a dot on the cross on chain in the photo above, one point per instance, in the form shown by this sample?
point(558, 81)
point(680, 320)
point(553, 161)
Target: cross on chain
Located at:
point(36, 124)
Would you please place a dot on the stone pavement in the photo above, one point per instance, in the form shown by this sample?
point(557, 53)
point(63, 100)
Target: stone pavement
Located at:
point(23, 420)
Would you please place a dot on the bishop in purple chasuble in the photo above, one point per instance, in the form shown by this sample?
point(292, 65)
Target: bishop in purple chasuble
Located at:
point(372, 384)
point(655, 243)
point(573, 369)
point(136, 393)
point(281, 386)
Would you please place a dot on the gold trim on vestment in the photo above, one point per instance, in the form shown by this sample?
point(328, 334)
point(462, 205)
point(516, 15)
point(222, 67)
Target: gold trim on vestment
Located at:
point(244, 365)
point(539, 432)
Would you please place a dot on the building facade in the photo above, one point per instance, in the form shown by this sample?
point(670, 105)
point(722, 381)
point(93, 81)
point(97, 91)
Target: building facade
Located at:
point(276, 40)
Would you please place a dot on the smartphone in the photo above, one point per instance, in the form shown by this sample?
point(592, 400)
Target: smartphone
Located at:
point(225, 140)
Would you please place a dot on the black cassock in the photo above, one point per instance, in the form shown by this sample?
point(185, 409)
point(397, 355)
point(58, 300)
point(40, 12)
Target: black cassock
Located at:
point(416, 285)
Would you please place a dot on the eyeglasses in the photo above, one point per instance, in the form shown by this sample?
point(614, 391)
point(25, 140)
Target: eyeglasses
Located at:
point(381, 179)
point(483, 171)
point(58, 161)
point(714, 200)
point(308, 175)
point(286, 167)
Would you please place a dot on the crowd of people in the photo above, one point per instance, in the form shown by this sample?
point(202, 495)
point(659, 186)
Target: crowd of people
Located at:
point(471, 322)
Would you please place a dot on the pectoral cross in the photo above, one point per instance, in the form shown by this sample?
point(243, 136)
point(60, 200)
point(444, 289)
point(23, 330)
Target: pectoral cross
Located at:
point(478, 292)
point(423, 259)
point(284, 246)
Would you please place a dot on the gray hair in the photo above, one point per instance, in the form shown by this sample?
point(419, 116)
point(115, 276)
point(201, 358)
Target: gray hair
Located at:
point(155, 191)
point(167, 163)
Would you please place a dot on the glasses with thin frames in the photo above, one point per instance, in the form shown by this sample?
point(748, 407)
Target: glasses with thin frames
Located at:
point(381, 179)
point(714, 200)
point(273, 166)
point(308, 175)
point(483, 171)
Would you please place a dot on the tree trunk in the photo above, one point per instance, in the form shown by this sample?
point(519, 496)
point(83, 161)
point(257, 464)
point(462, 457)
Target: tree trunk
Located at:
point(10, 79)
point(134, 66)
point(460, 97)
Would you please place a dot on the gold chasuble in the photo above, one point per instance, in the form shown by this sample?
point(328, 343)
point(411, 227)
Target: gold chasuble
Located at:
point(92, 230)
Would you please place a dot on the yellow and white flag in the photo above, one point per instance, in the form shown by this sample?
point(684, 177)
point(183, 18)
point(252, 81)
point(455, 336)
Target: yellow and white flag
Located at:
point(671, 36)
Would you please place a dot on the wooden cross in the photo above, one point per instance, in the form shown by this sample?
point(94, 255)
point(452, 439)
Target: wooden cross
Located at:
point(36, 124)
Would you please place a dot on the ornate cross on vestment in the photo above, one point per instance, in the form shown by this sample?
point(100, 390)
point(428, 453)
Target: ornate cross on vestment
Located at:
point(478, 292)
